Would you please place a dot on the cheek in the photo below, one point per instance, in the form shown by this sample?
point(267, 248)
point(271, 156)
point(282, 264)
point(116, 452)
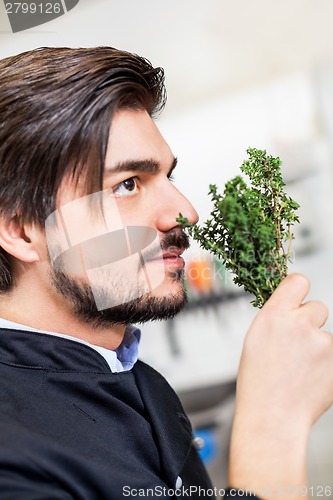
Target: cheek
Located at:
point(80, 221)
point(79, 238)
point(136, 210)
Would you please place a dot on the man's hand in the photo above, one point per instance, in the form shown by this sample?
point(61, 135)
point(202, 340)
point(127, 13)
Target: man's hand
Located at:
point(285, 383)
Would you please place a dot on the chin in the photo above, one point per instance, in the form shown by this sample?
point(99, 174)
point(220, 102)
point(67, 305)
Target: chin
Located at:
point(172, 285)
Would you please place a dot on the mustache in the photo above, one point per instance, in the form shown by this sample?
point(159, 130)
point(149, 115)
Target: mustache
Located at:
point(175, 239)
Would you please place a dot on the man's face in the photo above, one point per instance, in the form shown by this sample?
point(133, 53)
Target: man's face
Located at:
point(116, 254)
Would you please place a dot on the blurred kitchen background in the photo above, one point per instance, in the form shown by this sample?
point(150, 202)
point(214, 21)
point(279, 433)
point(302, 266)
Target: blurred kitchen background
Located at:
point(238, 74)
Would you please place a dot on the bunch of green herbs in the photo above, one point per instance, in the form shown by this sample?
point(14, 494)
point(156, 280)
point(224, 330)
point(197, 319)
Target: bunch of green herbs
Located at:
point(250, 226)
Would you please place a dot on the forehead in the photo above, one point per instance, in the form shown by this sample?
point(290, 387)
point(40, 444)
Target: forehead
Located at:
point(135, 136)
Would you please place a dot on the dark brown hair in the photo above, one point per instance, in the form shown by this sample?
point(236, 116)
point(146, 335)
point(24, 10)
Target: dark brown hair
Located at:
point(56, 107)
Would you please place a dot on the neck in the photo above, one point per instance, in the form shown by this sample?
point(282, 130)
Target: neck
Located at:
point(47, 310)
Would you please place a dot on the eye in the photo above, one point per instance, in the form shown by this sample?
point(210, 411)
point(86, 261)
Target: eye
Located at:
point(126, 187)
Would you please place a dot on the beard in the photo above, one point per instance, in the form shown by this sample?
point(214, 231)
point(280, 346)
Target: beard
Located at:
point(146, 307)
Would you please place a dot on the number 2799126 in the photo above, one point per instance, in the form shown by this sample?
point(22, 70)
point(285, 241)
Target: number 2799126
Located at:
point(33, 8)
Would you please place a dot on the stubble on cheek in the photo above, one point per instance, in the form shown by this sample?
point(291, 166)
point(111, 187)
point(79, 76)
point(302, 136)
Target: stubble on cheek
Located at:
point(93, 244)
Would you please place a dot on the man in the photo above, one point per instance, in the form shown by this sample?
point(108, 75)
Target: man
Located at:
point(90, 246)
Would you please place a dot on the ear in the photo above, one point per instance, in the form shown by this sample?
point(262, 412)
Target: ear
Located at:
point(20, 240)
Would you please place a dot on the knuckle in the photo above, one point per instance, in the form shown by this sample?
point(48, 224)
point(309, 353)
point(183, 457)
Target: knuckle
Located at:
point(326, 341)
point(321, 307)
point(315, 311)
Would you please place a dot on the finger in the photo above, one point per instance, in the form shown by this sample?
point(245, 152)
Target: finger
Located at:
point(290, 293)
point(316, 311)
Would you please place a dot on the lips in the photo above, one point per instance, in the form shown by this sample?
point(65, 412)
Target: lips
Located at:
point(174, 254)
point(170, 256)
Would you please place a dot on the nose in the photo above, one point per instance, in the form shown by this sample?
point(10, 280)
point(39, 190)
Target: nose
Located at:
point(174, 203)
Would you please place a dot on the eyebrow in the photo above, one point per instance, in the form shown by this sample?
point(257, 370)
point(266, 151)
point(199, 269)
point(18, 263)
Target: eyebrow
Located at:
point(150, 166)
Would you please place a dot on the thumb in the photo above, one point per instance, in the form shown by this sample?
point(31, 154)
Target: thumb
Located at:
point(290, 293)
